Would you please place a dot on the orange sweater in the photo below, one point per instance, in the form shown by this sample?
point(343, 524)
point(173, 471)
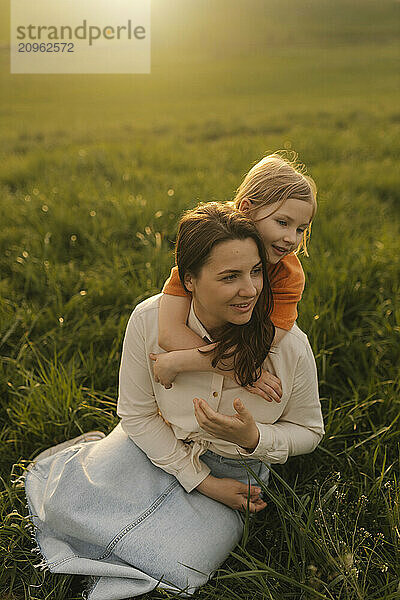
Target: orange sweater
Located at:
point(287, 284)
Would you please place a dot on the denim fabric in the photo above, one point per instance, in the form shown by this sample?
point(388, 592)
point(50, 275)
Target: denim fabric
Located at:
point(103, 509)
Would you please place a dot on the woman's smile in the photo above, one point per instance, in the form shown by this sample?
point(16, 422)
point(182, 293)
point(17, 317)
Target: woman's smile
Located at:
point(243, 307)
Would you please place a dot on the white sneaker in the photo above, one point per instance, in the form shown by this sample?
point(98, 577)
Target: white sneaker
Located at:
point(90, 436)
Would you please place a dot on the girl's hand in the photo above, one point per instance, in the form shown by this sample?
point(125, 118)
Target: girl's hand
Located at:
point(267, 386)
point(232, 493)
point(240, 429)
point(164, 368)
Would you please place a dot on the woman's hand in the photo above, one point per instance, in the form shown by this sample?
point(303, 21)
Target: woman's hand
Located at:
point(233, 493)
point(240, 429)
point(165, 368)
point(267, 386)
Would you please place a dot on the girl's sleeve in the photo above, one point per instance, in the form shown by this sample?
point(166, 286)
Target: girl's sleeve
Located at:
point(173, 285)
point(287, 284)
point(140, 418)
point(300, 427)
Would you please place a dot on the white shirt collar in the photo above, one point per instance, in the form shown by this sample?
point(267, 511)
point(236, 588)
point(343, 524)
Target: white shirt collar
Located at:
point(195, 324)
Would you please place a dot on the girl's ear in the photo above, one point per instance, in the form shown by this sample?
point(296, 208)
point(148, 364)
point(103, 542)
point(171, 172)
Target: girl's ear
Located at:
point(188, 280)
point(245, 205)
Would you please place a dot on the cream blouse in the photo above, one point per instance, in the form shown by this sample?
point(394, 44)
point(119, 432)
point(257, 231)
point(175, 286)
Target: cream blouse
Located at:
point(294, 426)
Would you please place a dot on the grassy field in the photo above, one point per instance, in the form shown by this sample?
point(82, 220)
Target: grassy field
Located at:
point(94, 173)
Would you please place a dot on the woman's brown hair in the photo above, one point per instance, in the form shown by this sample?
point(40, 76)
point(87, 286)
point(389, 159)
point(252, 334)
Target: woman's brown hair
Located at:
point(200, 230)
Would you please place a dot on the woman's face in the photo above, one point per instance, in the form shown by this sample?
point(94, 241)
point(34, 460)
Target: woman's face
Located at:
point(228, 285)
point(281, 230)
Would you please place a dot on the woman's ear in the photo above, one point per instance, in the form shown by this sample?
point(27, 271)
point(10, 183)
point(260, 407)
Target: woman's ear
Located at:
point(188, 281)
point(245, 205)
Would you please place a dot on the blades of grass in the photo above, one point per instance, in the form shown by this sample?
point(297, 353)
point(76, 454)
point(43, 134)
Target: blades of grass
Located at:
point(280, 576)
point(368, 439)
point(246, 527)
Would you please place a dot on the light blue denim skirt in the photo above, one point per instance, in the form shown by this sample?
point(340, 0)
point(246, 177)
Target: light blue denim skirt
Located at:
point(102, 509)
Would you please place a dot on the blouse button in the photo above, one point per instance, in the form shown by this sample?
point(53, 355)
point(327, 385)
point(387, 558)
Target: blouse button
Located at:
point(215, 394)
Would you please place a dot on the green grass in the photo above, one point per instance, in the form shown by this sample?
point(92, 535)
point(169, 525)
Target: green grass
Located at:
point(86, 166)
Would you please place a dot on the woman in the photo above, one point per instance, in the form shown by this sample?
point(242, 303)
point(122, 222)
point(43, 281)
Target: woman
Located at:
point(158, 500)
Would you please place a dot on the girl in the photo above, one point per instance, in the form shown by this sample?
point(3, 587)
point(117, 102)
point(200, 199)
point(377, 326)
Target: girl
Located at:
point(281, 200)
point(157, 504)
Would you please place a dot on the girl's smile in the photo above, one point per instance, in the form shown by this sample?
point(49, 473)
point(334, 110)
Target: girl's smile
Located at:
point(279, 250)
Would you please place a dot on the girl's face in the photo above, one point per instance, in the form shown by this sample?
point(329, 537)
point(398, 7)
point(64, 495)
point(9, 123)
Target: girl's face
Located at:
point(228, 285)
point(281, 229)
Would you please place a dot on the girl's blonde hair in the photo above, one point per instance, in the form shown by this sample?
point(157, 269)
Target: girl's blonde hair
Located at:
point(274, 179)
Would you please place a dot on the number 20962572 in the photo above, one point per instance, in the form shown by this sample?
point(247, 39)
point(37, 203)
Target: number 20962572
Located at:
point(46, 47)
